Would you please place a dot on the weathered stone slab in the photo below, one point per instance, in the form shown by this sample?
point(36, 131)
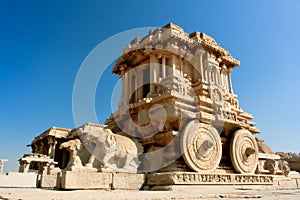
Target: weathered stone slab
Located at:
point(289, 184)
point(85, 180)
point(15, 179)
point(283, 182)
point(50, 181)
point(127, 181)
point(194, 178)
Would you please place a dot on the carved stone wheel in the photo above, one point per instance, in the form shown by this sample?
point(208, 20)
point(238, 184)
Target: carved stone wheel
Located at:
point(244, 152)
point(201, 146)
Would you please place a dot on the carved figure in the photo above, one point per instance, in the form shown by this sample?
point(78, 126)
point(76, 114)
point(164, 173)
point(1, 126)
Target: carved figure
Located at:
point(73, 146)
point(113, 151)
point(284, 167)
point(271, 166)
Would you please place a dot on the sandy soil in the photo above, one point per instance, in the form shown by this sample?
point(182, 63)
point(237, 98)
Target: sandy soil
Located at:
point(41, 194)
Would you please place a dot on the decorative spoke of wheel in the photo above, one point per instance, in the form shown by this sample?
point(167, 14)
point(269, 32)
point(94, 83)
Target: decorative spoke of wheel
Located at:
point(201, 146)
point(244, 152)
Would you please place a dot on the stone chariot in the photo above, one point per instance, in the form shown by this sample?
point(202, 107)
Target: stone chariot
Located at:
point(199, 117)
point(178, 123)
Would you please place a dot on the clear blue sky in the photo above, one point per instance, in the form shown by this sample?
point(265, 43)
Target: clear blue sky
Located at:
point(43, 43)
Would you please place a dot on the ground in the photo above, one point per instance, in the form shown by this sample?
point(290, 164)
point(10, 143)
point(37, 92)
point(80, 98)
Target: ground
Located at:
point(207, 193)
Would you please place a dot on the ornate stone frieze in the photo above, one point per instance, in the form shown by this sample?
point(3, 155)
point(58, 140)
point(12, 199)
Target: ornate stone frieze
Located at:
point(194, 178)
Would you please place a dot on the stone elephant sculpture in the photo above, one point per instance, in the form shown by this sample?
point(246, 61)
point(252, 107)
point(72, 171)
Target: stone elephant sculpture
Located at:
point(114, 151)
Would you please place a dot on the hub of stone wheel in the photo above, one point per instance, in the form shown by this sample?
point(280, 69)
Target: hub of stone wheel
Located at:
point(207, 148)
point(249, 151)
point(208, 144)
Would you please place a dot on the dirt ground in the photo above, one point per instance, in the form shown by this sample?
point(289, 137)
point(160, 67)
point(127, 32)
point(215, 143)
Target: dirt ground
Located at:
point(207, 193)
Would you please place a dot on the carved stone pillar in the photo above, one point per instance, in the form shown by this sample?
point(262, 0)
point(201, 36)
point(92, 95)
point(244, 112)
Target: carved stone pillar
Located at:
point(122, 102)
point(224, 81)
point(140, 83)
point(181, 67)
point(26, 167)
point(42, 148)
point(219, 76)
point(229, 80)
point(2, 165)
point(163, 67)
point(21, 167)
point(173, 69)
point(129, 88)
point(126, 89)
point(134, 87)
point(154, 73)
point(156, 69)
point(206, 73)
point(52, 144)
point(201, 66)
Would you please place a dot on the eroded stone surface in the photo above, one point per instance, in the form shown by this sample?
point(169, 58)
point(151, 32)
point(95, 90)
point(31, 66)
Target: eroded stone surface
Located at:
point(15, 179)
point(85, 180)
point(127, 181)
point(49, 181)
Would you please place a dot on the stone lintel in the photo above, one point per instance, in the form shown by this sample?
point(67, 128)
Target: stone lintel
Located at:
point(194, 178)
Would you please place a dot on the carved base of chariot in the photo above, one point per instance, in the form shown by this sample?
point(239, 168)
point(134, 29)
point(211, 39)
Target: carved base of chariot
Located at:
point(195, 178)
